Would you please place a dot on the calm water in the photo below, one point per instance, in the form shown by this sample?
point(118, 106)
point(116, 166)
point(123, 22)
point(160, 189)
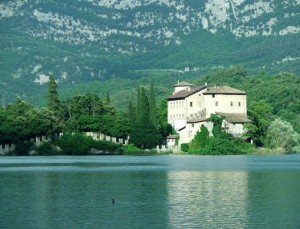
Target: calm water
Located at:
point(150, 192)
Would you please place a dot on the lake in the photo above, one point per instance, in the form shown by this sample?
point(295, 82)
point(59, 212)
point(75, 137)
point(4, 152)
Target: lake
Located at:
point(260, 191)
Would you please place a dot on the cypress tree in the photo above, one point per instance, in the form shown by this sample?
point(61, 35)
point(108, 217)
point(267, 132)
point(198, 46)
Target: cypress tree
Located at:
point(53, 100)
point(138, 102)
point(107, 97)
point(144, 134)
point(144, 106)
point(54, 105)
point(152, 106)
point(131, 114)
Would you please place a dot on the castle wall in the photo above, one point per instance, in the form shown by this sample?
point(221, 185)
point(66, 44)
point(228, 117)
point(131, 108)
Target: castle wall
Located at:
point(225, 104)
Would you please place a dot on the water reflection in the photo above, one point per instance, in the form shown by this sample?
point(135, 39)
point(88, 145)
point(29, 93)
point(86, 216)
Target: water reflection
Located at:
point(150, 192)
point(207, 199)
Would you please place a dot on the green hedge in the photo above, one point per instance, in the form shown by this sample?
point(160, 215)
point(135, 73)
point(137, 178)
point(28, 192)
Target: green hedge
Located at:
point(79, 144)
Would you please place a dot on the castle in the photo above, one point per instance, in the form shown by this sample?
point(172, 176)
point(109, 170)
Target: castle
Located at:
point(190, 106)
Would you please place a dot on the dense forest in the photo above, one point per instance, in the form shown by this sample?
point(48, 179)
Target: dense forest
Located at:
point(273, 107)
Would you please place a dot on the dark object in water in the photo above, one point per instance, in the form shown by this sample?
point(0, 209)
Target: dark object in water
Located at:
point(113, 201)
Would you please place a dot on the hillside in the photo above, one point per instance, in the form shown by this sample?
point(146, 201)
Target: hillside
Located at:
point(86, 41)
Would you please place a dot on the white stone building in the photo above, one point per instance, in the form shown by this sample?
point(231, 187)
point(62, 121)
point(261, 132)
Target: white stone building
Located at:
point(190, 106)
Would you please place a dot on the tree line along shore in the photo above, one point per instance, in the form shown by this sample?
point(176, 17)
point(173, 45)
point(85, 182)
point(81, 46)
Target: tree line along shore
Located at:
point(274, 125)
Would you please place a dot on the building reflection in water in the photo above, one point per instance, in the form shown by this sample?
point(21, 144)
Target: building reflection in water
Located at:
point(207, 199)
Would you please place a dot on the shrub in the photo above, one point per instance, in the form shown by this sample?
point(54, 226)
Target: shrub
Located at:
point(242, 146)
point(184, 147)
point(108, 147)
point(221, 146)
point(46, 148)
point(131, 149)
point(22, 149)
point(79, 144)
point(76, 144)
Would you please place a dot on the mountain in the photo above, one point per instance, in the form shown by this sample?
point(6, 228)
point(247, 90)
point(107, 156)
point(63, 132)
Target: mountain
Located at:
point(84, 41)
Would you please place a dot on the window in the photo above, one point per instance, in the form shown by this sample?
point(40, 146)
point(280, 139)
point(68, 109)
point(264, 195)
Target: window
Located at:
point(191, 104)
point(217, 103)
point(213, 95)
point(231, 103)
point(239, 104)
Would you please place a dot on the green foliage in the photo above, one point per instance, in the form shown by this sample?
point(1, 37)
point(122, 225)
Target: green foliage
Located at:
point(261, 114)
point(23, 149)
point(21, 121)
point(144, 133)
point(280, 91)
point(184, 147)
point(242, 146)
point(200, 139)
point(152, 106)
point(54, 104)
point(131, 149)
point(79, 144)
point(220, 144)
point(109, 147)
point(281, 135)
point(22, 48)
point(88, 104)
point(76, 144)
point(223, 76)
point(269, 96)
point(165, 128)
point(53, 100)
point(217, 128)
point(46, 148)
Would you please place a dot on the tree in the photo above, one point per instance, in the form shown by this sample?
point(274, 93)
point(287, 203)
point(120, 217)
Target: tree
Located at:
point(107, 97)
point(201, 138)
point(144, 134)
point(89, 104)
point(131, 113)
point(165, 128)
point(152, 106)
point(21, 121)
point(281, 135)
point(217, 129)
point(54, 105)
point(260, 113)
point(53, 100)
point(138, 103)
